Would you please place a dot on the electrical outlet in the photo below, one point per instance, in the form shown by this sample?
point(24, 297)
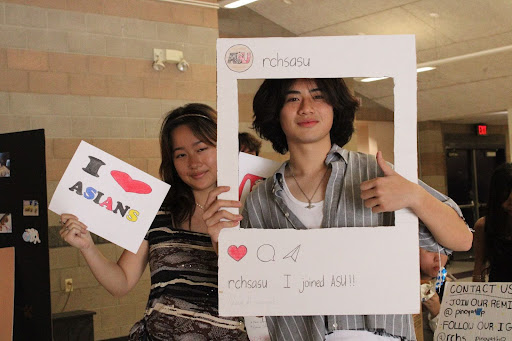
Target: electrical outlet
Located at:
point(68, 284)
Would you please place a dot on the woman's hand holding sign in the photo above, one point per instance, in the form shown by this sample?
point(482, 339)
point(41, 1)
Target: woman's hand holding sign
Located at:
point(216, 218)
point(75, 232)
point(117, 277)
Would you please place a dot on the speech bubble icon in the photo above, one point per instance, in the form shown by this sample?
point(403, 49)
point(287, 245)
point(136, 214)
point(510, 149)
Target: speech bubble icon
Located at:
point(266, 253)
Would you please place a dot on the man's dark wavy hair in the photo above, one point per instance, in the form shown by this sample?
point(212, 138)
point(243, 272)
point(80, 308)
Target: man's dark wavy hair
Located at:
point(270, 98)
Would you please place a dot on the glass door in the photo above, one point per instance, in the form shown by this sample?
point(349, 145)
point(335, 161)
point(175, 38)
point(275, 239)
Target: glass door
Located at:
point(468, 175)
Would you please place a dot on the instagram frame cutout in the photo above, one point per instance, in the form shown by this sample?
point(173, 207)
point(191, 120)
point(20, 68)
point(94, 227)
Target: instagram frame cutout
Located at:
point(369, 270)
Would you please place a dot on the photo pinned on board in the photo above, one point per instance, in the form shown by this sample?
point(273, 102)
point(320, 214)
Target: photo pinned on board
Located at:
point(5, 164)
point(30, 208)
point(5, 223)
point(31, 235)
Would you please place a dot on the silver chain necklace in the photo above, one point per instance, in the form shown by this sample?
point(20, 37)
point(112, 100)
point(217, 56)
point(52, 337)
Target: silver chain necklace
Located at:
point(310, 205)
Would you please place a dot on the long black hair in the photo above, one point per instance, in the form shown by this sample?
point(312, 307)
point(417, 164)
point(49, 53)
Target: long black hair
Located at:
point(270, 98)
point(202, 121)
point(496, 227)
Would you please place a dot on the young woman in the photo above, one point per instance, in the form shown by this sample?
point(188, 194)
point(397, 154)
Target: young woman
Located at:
point(493, 233)
point(182, 303)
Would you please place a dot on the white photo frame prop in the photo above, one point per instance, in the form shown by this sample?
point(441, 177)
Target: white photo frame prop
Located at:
point(337, 271)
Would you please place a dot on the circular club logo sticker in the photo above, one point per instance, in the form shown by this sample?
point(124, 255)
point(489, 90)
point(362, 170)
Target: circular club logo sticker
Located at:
point(239, 58)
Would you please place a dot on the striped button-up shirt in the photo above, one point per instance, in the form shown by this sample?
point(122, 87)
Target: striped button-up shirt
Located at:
point(343, 207)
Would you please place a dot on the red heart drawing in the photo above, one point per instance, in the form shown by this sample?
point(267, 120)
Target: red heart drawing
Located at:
point(130, 185)
point(237, 253)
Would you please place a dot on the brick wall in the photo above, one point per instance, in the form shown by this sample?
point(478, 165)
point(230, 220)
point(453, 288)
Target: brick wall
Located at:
point(242, 22)
point(82, 70)
point(431, 155)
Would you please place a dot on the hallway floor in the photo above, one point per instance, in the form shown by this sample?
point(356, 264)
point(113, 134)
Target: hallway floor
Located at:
point(461, 267)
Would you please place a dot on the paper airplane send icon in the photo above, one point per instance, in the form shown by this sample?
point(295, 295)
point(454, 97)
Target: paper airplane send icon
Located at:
point(293, 254)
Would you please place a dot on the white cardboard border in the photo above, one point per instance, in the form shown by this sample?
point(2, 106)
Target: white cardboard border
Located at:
point(330, 57)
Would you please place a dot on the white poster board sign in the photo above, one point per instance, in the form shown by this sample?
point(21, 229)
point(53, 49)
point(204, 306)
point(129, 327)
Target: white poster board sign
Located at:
point(386, 276)
point(114, 199)
point(252, 171)
point(475, 312)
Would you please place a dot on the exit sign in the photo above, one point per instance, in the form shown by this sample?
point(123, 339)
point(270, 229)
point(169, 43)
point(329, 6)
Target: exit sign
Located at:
point(481, 129)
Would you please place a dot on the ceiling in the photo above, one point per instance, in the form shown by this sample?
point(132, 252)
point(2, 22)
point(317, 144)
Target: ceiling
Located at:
point(470, 90)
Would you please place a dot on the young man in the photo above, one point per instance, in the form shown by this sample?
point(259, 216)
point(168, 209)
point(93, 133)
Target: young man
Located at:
point(324, 185)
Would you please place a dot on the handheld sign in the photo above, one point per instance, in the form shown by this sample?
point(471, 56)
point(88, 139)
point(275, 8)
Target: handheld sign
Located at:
point(476, 312)
point(253, 170)
point(301, 272)
point(114, 199)
point(250, 286)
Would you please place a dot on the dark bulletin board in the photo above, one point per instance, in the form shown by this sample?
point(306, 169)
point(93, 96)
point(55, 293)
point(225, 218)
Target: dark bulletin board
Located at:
point(23, 195)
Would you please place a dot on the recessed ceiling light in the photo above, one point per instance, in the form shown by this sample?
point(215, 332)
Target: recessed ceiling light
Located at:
point(373, 79)
point(288, 2)
point(434, 15)
point(425, 68)
point(503, 112)
point(235, 4)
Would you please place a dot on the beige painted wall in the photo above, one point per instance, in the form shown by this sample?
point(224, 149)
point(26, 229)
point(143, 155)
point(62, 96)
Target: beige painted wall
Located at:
point(374, 136)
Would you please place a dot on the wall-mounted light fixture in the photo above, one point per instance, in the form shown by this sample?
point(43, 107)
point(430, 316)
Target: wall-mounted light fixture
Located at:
point(162, 56)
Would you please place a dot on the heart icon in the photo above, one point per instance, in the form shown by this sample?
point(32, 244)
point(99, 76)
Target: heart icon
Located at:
point(237, 253)
point(130, 185)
